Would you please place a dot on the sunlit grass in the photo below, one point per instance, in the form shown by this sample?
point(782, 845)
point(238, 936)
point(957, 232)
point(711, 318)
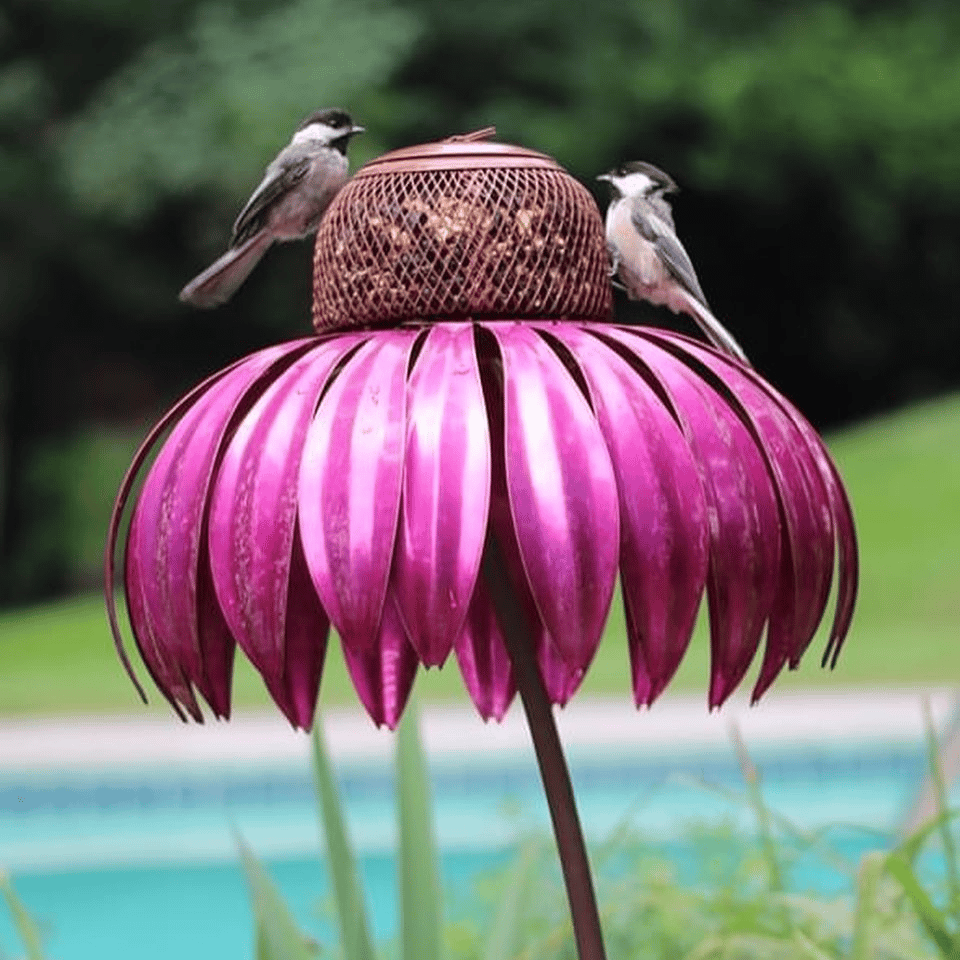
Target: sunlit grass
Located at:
point(902, 474)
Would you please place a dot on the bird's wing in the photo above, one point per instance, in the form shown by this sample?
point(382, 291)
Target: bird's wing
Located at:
point(661, 207)
point(281, 177)
point(652, 226)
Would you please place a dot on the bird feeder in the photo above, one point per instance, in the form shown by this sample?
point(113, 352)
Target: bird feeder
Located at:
point(457, 229)
point(477, 485)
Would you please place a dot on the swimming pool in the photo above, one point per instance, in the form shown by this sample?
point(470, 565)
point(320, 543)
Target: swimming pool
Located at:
point(139, 859)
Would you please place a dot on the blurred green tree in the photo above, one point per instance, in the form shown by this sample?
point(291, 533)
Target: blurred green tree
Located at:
point(129, 136)
point(818, 144)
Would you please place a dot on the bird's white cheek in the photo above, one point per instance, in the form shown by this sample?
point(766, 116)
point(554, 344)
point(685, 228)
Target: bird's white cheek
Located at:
point(312, 133)
point(634, 184)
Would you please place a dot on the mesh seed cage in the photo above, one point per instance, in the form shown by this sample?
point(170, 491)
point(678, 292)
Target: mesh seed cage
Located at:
point(459, 229)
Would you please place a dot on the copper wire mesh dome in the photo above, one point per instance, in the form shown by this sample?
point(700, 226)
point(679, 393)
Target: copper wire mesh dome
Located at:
point(460, 229)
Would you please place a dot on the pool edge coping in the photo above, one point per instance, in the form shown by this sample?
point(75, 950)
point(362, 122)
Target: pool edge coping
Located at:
point(677, 723)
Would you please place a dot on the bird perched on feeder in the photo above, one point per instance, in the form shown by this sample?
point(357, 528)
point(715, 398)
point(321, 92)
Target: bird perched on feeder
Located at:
point(648, 256)
point(296, 190)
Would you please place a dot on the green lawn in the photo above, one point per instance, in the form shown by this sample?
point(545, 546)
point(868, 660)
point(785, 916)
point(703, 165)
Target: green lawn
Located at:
point(903, 476)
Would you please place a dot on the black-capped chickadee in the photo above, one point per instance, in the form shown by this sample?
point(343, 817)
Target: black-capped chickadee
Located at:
point(647, 255)
point(295, 192)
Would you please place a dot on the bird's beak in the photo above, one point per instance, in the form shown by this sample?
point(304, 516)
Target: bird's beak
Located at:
point(605, 176)
point(356, 129)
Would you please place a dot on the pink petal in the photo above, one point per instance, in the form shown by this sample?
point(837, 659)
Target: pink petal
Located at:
point(253, 513)
point(446, 492)
point(848, 560)
point(742, 510)
point(174, 620)
point(142, 455)
point(305, 645)
point(560, 679)
point(557, 682)
point(562, 491)
point(808, 544)
point(350, 482)
point(664, 536)
point(383, 672)
point(483, 658)
point(163, 668)
point(844, 530)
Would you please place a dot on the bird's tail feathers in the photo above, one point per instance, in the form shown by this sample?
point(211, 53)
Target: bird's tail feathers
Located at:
point(714, 330)
point(220, 280)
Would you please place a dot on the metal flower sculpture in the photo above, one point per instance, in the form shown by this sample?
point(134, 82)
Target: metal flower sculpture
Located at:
point(476, 485)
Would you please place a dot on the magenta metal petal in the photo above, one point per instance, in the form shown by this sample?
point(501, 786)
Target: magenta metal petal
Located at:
point(510, 564)
point(664, 534)
point(356, 480)
point(253, 512)
point(848, 562)
point(305, 645)
point(833, 512)
point(844, 530)
point(119, 507)
point(163, 668)
point(350, 484)
point(446, 491)
point(180, 632)
point(383, 672)
point(254, 507)
point(483, 658)
point(808, 542)
point(562, 492)
point(742, 508)
point(560, 679)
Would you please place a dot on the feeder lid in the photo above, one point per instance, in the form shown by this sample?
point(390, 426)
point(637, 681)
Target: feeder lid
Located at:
point(469, 151)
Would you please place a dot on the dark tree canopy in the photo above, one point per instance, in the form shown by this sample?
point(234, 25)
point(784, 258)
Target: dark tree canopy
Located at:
point(817, 146)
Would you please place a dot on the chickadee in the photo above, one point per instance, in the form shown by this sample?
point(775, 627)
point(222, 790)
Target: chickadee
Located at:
point(646, 253)
point(295, 192)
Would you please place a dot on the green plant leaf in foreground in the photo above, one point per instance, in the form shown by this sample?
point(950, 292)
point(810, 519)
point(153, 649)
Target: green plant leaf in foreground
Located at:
point(420, 913)
point(355, 939)
point(868, 879)
point(932, 918)
point(938, 779)
point(25, 925)
point(751, 777)
point(505, 933)
point(277, 935)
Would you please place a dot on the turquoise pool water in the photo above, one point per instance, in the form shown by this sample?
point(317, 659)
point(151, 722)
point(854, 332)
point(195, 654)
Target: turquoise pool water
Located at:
point(142, 863)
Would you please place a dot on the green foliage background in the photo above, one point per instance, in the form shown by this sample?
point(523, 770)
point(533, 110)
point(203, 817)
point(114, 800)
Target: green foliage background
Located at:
point(818, 145)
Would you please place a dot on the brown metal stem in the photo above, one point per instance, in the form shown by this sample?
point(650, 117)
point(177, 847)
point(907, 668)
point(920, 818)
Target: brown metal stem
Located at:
point(553, 765)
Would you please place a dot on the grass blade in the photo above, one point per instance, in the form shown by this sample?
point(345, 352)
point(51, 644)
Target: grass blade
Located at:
point(939, 785)
point(868, 880)
point(930, 916)
point(502, 944)
point(355, 939)
point(277, 935)
point(420, 911)
point(806, 947)
point(25, 925)
point(910, 848)
point(751, 777)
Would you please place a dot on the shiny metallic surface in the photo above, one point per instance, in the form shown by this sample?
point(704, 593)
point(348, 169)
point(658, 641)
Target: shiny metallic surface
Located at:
point(353, 480)
point(468, 396)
